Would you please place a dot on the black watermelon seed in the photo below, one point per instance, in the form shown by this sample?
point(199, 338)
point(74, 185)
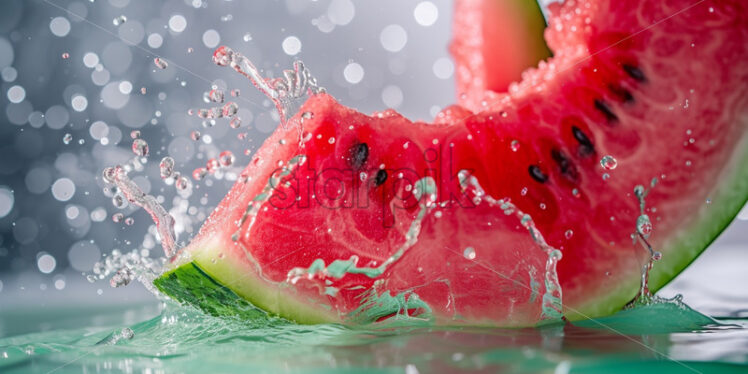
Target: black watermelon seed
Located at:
point(603, 107)
point(380, 178)
point(565, 164)
point(359, 153)
point(537, 174)
point(585, 145)
point(634, 72)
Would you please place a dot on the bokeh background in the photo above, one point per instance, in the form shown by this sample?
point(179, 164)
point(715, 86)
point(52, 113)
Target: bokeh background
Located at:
point(79, 76)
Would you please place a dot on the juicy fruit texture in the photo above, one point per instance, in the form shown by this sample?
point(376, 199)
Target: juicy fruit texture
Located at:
point(493, 42)
point(373, 222)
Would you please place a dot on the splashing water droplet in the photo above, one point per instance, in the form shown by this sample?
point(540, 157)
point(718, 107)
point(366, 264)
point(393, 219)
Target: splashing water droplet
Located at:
point(294, 84)
point(215, 95)
point(608, 162)
point(166, 167)
point(182, 183)
point(118, 217)
point(134, 134)
point(212, 165)
point(121, 278)
point(644, 225)
point(160, 63)
point(67, 138)
point(163, 220)
point(469, 253)
point(235, 122)
point(108, 175)
point(65, 56)
point(119, 201)
point(235, 92)
point(140, 147)
point(195, 135)
point(129, 221)
point(199, 174)
point(119, 20)
point(226, 158)
point(230, 109)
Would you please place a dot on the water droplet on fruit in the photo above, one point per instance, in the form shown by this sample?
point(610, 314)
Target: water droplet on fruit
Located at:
point(524, 191)
point(127, 333)
point(608, 162)
point(606, 176)
point(568, 234)
point(140, 147)
point(67, 138)
point(331, 140)
point(515, 146)
point(469, 253)
point(657, 255)
point(160, 63)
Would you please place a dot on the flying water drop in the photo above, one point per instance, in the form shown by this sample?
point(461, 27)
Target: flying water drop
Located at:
point(160, 63)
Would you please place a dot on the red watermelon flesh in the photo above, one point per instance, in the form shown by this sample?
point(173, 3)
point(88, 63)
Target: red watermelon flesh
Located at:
point(660, 86)
point(493, 42)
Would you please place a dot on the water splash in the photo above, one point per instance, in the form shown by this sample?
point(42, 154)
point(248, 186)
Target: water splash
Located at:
point(163, 220)
point(641, 234)
point(294, 84)
point(254, 206)
point(425, 190)
point(552, 307)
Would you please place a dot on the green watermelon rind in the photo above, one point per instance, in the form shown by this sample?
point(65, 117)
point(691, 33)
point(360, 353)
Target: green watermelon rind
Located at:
point(202, 283)
point(685, 246)
point(224, 288)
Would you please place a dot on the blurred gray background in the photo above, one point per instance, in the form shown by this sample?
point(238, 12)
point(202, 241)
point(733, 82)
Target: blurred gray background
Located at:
point(78, 77)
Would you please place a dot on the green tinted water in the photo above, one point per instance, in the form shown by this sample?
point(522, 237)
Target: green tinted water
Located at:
point(660, 338)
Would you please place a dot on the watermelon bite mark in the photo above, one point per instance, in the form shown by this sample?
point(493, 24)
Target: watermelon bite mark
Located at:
point(660, 106)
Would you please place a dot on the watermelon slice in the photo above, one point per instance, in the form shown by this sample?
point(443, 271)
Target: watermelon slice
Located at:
point(361, 219)
point(493, 42)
